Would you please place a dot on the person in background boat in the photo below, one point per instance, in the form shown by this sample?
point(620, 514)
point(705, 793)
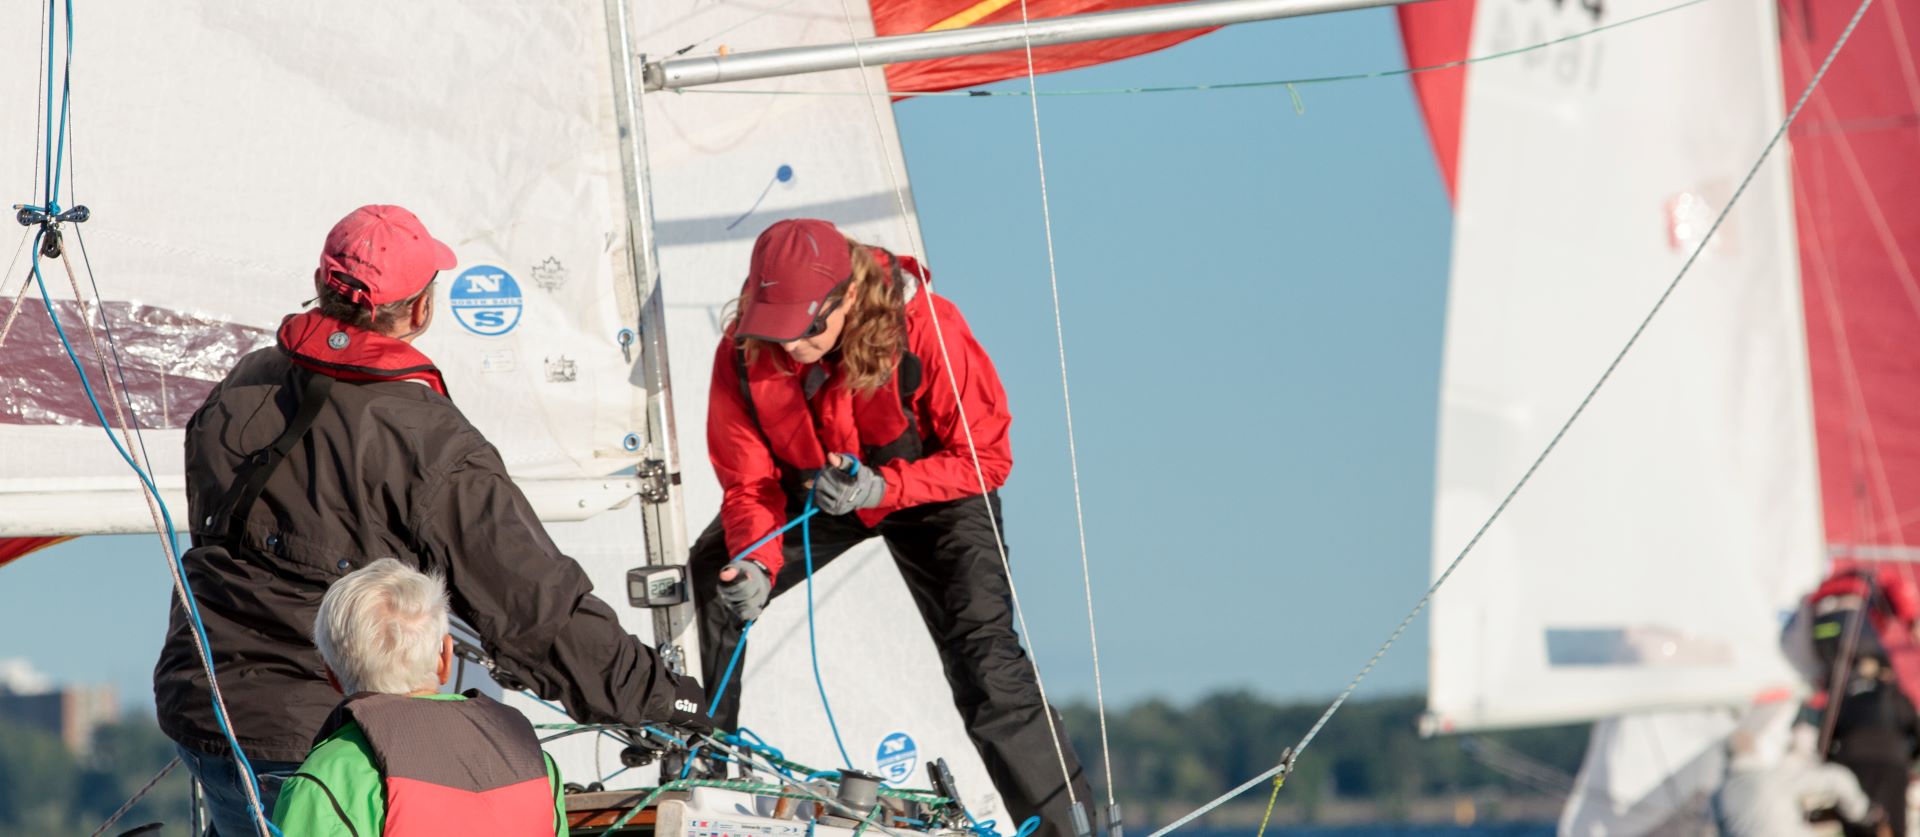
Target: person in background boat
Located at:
point(1861, 626)
point(832, 382)
point(388, 467)
point(1877, 736)
point(397, 757)
point(1864, 612)
point(1769, 793)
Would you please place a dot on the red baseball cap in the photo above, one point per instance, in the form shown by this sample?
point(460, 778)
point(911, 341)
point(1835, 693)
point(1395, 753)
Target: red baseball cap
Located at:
point(387, 250)
point(796, 264)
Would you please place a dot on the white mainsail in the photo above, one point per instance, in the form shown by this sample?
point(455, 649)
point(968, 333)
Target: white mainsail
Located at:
point(724, 167)
point(1649, 563)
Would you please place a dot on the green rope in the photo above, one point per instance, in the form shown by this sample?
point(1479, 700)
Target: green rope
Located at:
point(1199, 88)
point(1278, 781)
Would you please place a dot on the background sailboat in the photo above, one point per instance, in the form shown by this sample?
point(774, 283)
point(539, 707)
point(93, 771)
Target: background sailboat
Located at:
point(1763, 431)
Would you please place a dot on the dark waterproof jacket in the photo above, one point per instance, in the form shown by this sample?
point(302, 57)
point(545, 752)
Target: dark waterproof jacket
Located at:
point(390, 469)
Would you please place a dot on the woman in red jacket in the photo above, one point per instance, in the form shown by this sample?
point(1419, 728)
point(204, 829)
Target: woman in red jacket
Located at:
point(833, 377)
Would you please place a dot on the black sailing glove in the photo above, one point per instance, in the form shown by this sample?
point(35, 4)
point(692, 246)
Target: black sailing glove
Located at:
point(838, 490)
point(690, 707)
point(747, 592)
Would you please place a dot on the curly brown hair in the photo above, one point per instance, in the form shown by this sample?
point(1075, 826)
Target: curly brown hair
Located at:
point(875, 330)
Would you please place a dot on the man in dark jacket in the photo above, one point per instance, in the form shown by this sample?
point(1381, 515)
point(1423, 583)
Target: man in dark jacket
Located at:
point(389, 467)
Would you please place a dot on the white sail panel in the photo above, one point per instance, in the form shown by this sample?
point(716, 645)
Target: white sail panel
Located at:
point(724, 167)
point(1649, 562)
point(1650, 773)
point(493, 121)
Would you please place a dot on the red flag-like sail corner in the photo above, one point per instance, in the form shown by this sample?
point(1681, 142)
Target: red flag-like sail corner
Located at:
point(14, 548)
point(904, 17)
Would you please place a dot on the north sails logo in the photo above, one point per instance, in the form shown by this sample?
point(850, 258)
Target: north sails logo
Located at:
point(686, 706)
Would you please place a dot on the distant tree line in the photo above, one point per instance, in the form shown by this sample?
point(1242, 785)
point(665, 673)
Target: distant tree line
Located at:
point(1166, 759)
point(1169, 758)
point(45, 789)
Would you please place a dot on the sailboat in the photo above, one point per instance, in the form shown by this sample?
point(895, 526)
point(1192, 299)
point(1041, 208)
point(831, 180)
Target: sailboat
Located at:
point(1761, 435)
point(595, 226)
point(599, 221)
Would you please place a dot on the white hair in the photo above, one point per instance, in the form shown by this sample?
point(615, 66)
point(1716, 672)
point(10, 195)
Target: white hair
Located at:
point(381, 629)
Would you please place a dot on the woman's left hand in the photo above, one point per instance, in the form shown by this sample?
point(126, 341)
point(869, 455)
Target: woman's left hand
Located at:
point(845, 485)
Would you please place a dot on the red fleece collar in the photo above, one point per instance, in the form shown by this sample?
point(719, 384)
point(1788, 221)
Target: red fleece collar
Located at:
point(331, 347)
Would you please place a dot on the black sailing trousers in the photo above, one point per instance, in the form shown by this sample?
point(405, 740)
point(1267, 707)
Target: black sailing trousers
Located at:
point(946, 554)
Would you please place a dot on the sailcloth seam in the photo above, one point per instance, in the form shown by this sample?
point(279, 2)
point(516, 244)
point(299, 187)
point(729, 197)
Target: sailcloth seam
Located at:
point(1766, 151)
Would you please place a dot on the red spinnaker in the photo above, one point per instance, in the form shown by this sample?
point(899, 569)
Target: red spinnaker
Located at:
point(902, 17)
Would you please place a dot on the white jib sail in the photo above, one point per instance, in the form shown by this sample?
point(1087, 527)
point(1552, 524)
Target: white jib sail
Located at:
point(1652, 772)
point(724, 167)
point(493, 121)
point(1650, 561)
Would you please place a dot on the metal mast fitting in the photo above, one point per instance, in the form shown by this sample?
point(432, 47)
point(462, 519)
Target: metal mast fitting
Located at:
point(663, 504)
point(694, 71)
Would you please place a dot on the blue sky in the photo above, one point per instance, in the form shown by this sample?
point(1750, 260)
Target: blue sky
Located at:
point(1252, 299)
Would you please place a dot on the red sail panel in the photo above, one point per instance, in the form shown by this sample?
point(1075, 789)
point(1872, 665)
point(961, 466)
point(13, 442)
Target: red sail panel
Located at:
point(12, 548)
point(1435, 33)
point(1857, 202)
point(902, 17)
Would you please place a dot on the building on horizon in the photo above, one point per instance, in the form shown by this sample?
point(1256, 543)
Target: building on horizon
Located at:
point(32, 699)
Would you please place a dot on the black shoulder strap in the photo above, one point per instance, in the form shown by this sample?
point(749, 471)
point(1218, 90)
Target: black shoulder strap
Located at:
point(335, 801)
point(251, 478)
point(746, 391)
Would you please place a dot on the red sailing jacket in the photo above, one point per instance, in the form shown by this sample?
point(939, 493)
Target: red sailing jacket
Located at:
point(1892, 624)
point(329, 346)
point(794, 434)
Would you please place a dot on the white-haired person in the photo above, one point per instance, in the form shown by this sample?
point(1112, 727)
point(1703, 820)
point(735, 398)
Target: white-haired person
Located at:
point(399, 757)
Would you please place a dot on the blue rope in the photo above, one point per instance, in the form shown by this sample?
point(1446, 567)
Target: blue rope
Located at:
point(664, 735)
point(813, 648)
point(990, 828)
point(750, 741)
point(192, 604)
point(739, 646)
point(66, 96)
point(57, 153)
point(804, 521)
point(47, 178)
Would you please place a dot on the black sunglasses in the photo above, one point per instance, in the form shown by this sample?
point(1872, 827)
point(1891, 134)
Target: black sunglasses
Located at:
point(819, 325)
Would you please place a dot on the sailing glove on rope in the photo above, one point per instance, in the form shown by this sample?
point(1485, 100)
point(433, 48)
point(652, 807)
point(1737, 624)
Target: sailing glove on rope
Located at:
point(747, 592)
point(845, 487)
